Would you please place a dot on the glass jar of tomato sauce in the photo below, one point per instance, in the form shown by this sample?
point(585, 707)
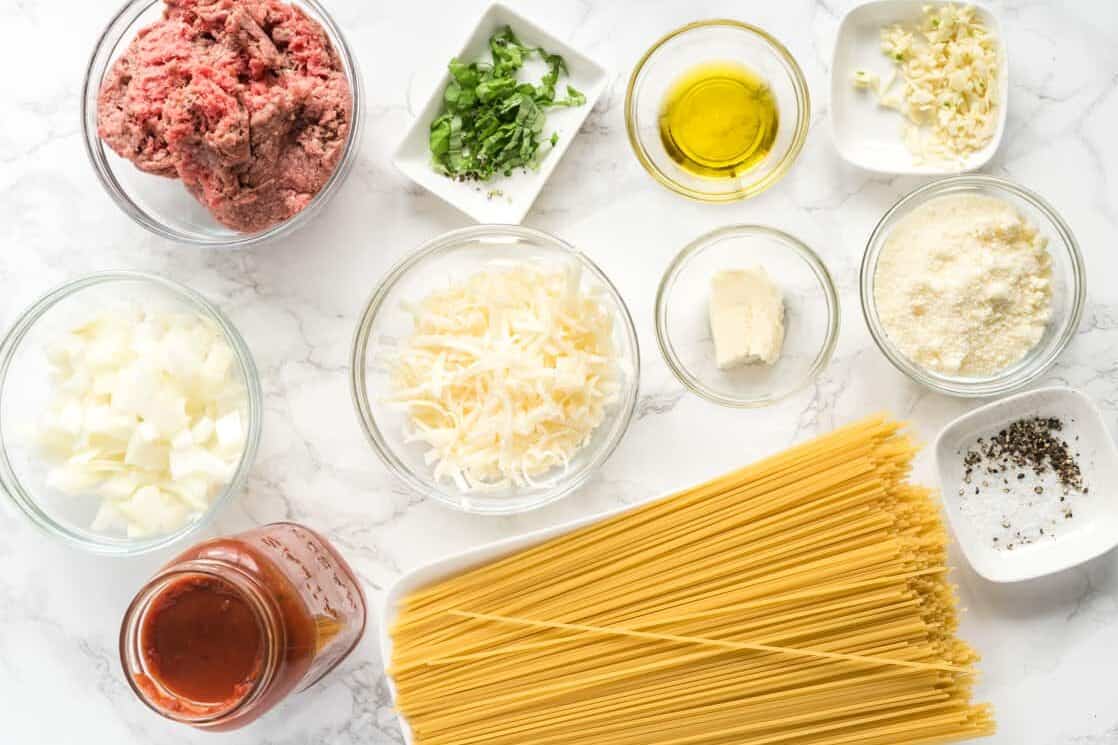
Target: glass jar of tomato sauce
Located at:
point(233, 625)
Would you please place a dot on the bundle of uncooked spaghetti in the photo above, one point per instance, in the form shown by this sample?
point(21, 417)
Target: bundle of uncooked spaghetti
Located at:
point(802, 599)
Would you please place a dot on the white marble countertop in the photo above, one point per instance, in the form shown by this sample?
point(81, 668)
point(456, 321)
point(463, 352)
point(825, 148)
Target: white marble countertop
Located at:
point(1050, 647)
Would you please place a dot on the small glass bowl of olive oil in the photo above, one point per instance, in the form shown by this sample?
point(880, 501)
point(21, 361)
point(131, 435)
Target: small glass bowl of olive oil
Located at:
point(717, 110)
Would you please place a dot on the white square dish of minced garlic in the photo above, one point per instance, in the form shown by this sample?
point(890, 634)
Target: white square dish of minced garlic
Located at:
point(746, 318)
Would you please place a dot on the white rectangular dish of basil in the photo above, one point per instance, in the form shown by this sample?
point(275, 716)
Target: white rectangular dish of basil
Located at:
point(505, 199)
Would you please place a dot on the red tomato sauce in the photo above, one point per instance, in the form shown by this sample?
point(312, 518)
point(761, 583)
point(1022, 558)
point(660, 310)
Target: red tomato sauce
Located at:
point(203, 642)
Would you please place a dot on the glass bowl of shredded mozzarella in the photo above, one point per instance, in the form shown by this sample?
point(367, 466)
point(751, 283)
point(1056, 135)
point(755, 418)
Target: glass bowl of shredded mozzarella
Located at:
point(972, 286)
point(130, 412)
point(495, 369)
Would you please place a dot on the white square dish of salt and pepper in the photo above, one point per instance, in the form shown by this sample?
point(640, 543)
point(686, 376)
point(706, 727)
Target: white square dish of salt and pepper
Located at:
point(1028, 484)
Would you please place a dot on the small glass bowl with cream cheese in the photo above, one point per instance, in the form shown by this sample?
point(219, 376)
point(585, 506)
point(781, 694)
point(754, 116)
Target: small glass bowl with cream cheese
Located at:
point(1067, 282)
point(810, 315)
point(386, 335)
point(35, 474)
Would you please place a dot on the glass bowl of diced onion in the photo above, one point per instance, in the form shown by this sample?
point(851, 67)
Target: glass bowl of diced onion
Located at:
point(495, 369)
point(130, 412)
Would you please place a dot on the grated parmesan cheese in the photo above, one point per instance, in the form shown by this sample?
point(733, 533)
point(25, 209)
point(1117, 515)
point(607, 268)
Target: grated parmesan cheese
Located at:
point(948, 90)
point(506, 375)
point(964, 285)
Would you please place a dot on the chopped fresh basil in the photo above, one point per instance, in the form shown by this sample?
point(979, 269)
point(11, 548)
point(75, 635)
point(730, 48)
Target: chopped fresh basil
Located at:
point(491, 123)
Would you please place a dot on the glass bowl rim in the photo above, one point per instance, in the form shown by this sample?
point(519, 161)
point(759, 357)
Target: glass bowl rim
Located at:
point(1016, 376)
point(700, 244)
point(799, 137)
point(95, 149)
point(359, 391)
point(13, 489)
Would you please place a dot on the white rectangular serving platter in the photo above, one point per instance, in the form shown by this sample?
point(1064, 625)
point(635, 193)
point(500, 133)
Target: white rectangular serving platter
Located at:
point(504, 200)
point(870, 136)
point(1096, 514)
point(451, 565)
point(1105, 479)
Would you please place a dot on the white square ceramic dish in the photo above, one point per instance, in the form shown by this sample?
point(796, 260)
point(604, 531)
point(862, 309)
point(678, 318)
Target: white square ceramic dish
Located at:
point(451, 565)
point(504, 200)
point(1093, 529)
point(870, 136)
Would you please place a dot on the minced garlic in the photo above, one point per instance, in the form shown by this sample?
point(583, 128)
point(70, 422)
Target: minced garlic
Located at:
point(949, 73)
point(866, 79)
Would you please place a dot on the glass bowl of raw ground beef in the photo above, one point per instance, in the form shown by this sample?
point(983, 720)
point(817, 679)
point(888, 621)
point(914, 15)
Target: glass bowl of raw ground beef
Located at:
point(222, 123)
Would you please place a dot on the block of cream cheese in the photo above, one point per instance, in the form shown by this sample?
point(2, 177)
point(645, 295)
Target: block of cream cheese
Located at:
point(746, 318)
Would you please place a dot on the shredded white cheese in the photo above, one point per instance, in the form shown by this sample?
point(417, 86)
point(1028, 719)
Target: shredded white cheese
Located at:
point(147, 414)
point(506, 375)
point(948, 91)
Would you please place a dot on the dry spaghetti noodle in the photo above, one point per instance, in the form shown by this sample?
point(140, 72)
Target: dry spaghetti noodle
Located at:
point(800, 600)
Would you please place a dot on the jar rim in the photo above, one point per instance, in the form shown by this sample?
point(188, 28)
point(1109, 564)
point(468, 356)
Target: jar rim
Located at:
point(267, 615)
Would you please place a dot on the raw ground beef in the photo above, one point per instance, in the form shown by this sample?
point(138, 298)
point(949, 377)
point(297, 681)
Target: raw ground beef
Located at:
point(244, 100)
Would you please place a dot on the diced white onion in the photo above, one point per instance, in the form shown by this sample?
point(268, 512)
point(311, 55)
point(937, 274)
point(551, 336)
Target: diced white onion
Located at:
point(139, 396)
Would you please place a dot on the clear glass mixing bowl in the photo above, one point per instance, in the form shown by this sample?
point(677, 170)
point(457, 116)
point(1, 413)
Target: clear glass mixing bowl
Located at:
point(163, 205)
point(811, 315)
point(25, 393)
point(384, 322)
point(1068, 286)
point(716, 41)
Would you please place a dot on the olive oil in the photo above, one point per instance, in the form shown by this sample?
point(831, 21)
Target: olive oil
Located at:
point(719, 120)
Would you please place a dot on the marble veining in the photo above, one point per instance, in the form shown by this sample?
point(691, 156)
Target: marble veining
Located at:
point(1050, 646)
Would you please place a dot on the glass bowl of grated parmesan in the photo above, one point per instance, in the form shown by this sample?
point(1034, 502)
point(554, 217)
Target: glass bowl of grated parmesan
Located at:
point(972, 286)
point(495, 369)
